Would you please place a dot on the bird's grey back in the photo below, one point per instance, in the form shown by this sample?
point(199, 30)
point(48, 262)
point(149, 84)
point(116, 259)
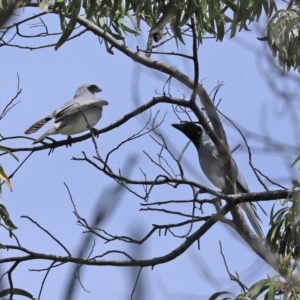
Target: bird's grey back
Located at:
point(82, 93)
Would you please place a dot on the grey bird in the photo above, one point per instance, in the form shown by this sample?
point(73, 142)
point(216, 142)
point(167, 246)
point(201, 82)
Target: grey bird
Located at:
point(211, 167)
point(81, 113)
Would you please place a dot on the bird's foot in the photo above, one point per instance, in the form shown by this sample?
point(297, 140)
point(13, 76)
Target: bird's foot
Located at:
point(94, 131)
point(69, 141)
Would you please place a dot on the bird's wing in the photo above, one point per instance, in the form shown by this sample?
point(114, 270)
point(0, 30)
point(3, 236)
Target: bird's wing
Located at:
point(67, 109)
point(254, 219)
point(74, 106)
point(241, 183)
point(249, 208)
point(208, 145)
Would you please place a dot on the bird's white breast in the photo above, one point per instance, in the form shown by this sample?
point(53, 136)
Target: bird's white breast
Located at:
point(80, 122)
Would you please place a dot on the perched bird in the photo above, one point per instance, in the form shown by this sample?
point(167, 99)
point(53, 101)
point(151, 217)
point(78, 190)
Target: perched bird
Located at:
point(81, 113)
point(211, 167)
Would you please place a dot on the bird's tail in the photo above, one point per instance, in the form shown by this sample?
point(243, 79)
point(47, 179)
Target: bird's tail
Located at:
point(253, 218)
point(37, 125)
point(50, 131)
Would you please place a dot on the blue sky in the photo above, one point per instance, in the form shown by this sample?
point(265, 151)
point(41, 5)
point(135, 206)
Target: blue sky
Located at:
point(50, 78)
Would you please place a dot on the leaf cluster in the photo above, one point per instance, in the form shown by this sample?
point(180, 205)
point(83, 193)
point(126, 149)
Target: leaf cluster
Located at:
point(284, 234)
point(283, 37)
point(4, 215)
point(212, 18)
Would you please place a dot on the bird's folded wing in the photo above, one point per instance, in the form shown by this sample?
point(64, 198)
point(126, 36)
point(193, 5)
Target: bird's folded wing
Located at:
point(37, 125)
point(210, 147)
point(76, 106)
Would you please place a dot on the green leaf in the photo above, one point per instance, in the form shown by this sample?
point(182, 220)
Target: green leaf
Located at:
point(44, 5)
point(216, 295)
point(8, 152)
point(5, 178)
point(258, 288)
point(2, 246)
point(4, 4)
point(295, 161)
point(16, 291)
point(6, 218)
point(296, 184)
point(128, 29)
point(74, 6)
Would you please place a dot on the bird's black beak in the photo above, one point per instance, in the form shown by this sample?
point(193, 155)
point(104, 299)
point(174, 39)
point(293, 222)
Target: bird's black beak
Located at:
point(178, 126)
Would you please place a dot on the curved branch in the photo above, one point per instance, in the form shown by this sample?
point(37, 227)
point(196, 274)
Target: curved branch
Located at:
point(239, 198)
point(31, 255)
point(121, 121)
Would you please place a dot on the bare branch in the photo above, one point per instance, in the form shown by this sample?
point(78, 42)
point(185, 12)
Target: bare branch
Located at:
point(47, 232)
point(99, 261)
point(12, 102)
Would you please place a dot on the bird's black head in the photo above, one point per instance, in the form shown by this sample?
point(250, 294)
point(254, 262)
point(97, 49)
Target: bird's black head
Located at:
point(192, 130)
point(93, 88)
